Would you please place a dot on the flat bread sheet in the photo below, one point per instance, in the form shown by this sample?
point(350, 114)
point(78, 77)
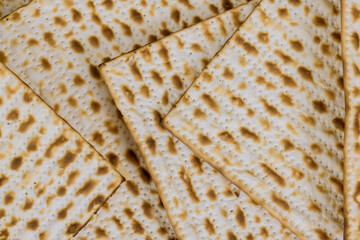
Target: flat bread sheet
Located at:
point(55, 46)
point(268, 113)
point(351, 54)
point(8, 6)
point(145, 84)
point(51, 180)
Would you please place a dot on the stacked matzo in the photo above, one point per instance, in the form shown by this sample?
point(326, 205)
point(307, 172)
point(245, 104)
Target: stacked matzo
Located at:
point(66, 41)
point(145, 84)
point(268, 113)
point(351, 52)
point(51, 180)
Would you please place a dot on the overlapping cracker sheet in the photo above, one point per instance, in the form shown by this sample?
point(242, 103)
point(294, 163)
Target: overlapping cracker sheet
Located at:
point(51, 180)
point(145, 84)
point(268, 113)
point(64, 41)
point(8, 6)
point(351, 55)
point(55, 47)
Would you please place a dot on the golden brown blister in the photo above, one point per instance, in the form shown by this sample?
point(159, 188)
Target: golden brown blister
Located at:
point(268, 113)
point(145, 84)
point(8, 6)
point(51, 180)
point(351, 53)
point(61, 44)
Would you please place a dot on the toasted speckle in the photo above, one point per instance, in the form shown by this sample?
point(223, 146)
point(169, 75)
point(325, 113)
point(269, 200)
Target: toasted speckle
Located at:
point(137, 227)
point(45, 64)
point(87, 188)
point(280, 181)
point(295, 3)
point(135, 71)
point(355, 41)
point(76, 15)
point(176, 82)
point(97, 201)
point(246, 133)
point(144, 175)
point(296, 45)
point(98, 138)
point(76, 46)
point(49, 38)
point(156, 77)
point(175, 15)
point(209, 226)
point(95, 107)
point(287, 145)
point(283, 13)
point(204, 140)
point(226, 4)
point(199, 114)
point(31, 43)
point(78, 81)
point(263, 37)
point(151, 144)
point(61, 191)
point(61, 140)
point(72, 102)
point(132, 187)
point(94, 41)
point(130, 97)
point(16, 163)
point(136, 16)
point(33, 144)
point(112, 158)
point(94, 72)
point(66, 160)
point(270, 109)
point(230, 236)
point(305, 74)
point(73, 228)
point(59, 21)
point(3, 180)
point(131, 157)
point(319, 22)
point(339, 124)
point(107, 33)
point(147, 210)
point(310, 163)
point(319, 106)
point(108, 4)
point(280, 202)
point(322, 235)
point(26, 124)
point(9, 198)
point(188, 185)
point(32, 225)
point(210, 102)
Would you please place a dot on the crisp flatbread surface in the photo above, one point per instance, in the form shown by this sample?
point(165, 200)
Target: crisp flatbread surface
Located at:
point(145, 84)
point(51, 180)
point(268, 113)
point(8, 6)
point(55, 46)
point(351, 55)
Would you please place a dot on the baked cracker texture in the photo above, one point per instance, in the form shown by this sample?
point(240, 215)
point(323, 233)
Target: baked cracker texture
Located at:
point(351, 54)
point(268, 113)
point(55, 46)
point(51, 180)
point(145, 84)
